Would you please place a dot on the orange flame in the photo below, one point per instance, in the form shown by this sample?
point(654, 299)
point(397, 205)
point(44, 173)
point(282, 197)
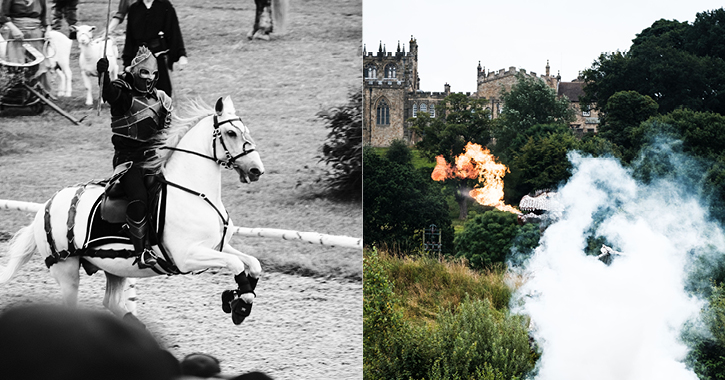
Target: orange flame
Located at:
point(477, 162)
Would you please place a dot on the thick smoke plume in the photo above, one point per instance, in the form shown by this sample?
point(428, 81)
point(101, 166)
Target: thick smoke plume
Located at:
point(623, 320)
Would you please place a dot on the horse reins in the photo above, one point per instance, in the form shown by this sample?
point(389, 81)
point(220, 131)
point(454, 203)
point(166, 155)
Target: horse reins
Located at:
point(228, 164)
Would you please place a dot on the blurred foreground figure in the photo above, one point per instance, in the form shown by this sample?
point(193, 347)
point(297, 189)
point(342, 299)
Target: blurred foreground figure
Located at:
point(60, 343)
point(205, 366)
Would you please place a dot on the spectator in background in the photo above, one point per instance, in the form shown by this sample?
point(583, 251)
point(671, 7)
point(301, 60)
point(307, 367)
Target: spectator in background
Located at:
point(67, 9)
point(153, 23)
point(41, 342)
point(120, 14)
point(25, 21)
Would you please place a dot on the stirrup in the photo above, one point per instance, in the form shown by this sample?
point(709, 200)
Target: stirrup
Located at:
point(147, 259)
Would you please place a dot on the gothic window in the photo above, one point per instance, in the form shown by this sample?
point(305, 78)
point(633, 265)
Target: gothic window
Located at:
point(383, 113)
point(415, 110)
point(423, 107)
point(432, 110)
point(390, 71)
point(371, 72)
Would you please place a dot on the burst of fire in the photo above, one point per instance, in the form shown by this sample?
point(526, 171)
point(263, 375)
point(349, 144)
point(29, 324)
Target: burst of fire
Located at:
point(477, 162)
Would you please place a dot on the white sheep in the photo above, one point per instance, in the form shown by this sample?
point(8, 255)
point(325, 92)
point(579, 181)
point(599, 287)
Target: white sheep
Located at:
point(91, 52)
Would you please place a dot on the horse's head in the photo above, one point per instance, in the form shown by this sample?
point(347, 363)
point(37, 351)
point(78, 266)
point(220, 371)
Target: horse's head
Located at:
point(235, 142)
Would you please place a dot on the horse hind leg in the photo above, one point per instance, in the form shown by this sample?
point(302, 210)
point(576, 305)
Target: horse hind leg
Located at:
point(116, 299)
point(67, 274)
point(129, 295)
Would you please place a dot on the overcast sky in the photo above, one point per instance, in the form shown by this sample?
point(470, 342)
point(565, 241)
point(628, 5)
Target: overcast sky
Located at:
point(454, 35)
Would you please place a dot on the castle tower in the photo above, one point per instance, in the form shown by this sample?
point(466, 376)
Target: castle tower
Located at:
point(388, 78)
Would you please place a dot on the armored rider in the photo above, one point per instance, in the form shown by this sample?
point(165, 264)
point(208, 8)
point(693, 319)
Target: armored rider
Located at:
point(139, 113)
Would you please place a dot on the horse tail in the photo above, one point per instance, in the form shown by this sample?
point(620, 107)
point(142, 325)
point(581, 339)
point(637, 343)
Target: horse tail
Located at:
point(22, 247)
point(280, 9)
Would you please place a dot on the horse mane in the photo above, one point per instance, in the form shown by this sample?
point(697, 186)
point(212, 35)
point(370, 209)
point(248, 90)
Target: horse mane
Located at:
point(181, 122)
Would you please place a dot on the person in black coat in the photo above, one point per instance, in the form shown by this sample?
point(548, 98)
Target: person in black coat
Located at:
point(154, 24)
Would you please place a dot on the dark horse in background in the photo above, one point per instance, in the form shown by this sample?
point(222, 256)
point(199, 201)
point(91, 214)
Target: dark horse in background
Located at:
point(270, 16)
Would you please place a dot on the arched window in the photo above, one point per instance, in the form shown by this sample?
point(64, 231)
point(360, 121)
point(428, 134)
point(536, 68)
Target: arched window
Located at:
point(383, 113)
point(390, 71)
point(415, 110)
point(432, 110)
point(423, 107)
point(371, 72)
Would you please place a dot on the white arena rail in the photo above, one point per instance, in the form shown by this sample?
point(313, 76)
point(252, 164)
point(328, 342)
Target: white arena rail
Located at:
point(310, 237)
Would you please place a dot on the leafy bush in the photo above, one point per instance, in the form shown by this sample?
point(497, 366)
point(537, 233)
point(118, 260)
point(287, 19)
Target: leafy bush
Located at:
point(343, 148)
point(382, 323)
point(487, 238)
point(480, 342)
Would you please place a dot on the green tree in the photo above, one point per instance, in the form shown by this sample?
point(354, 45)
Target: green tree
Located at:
point(668, 62)
point(530, 102)
point(464, 120)
point(399, 202)
point(624, 111)
point(488, 238)
point(705, 36)
point(542, 163)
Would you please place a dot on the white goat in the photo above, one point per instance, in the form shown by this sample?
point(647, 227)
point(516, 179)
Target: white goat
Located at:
point(91, 52)
point(57, 53)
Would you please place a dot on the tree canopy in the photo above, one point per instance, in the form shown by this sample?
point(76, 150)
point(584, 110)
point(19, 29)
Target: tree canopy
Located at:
point(677, 64)
point(530, 102)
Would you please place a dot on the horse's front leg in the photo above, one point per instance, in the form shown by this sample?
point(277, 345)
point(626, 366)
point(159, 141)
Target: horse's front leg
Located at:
point(237, 302)
point(253, 271)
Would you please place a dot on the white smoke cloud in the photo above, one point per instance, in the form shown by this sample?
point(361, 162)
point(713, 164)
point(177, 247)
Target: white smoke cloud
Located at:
point(620, 321)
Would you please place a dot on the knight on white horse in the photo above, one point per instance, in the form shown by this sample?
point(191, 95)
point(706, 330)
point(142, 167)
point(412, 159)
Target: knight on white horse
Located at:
point(82, 225)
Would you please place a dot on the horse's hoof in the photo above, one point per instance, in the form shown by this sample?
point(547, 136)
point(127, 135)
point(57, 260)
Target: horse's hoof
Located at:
point(227, 298)
point(250, 35)
point(240, 311)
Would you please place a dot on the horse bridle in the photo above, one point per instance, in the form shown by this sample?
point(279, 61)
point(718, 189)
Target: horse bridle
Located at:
point(217, 135)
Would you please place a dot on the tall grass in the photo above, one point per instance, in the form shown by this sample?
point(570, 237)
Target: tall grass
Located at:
point(429, 285)
point(429, 318)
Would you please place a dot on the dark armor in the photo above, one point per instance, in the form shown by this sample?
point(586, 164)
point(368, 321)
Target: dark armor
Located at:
point(143, 121)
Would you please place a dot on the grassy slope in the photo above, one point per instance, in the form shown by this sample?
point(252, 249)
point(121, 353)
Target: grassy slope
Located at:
point(427, 285)
point(277, 86)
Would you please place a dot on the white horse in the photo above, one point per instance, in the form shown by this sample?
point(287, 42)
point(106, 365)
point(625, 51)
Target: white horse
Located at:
point(196, 227)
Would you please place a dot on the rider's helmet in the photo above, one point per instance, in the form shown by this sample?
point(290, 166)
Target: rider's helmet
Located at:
point(145, 70)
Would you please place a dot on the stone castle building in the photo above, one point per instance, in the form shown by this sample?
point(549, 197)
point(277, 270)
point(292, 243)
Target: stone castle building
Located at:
point(391, 94)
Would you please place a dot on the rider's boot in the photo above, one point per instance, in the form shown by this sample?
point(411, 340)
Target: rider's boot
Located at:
point(138, 231)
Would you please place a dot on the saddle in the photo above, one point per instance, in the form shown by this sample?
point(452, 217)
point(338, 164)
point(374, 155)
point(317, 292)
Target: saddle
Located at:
point(114, 201)
point(109, 214)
